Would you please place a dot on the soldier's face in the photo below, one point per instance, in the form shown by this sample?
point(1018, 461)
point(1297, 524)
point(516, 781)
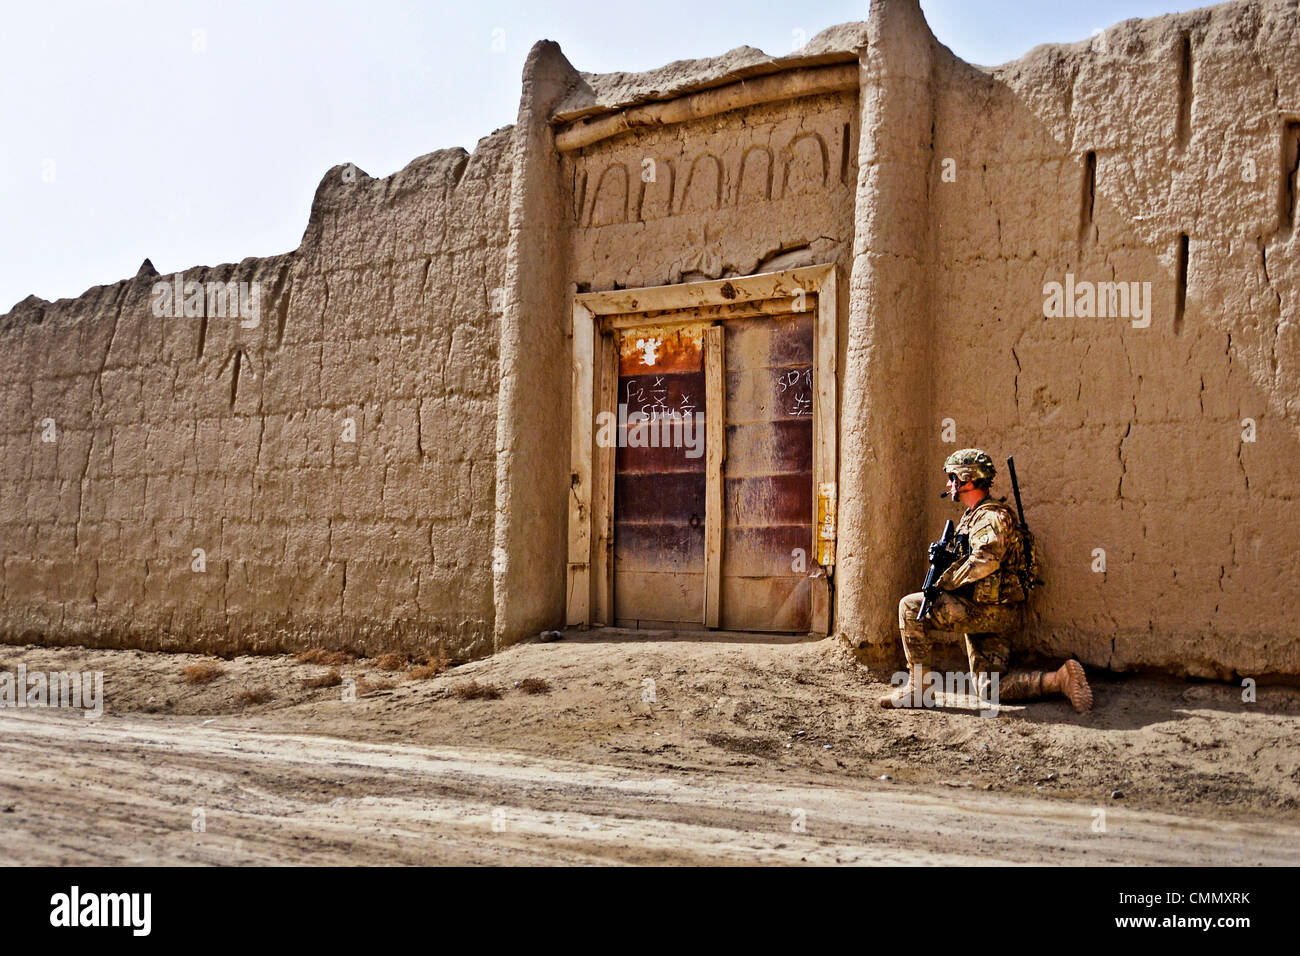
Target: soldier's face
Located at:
point(956, 486)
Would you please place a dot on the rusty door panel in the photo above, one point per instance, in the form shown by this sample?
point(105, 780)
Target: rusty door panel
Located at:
point(657, 547)
point(783, 446)
point(661, 350)
point(659, 394)
point(767, 484)
point(775, 343)
point(659, 498)
point(767, 604)
point(770, 500)
point(649, 599)
point(767, 552)
point(667, 459)
point(769, 395)
point(659, 492)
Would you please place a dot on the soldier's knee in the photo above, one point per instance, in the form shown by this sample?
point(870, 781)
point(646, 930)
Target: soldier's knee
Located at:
point(908, 608)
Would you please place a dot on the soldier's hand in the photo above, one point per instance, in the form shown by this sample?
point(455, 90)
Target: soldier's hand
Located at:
point(937, 549)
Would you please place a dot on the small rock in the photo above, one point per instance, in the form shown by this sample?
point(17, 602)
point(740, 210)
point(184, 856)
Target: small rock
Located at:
point(886, 777)
point(8, 809)
point(1017, 766)
point(988, 786)
point(800, 733)
point(1117, 794)
point(984, 746)
point(235, 745)
point(1051, 776)
point(547, 636)
point(826, 746)
point(965, 758)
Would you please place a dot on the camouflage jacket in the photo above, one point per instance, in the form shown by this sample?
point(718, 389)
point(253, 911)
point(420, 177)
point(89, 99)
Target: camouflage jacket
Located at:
point(989, 573)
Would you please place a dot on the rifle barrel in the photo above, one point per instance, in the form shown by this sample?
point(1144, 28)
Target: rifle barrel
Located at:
point(1015, 487)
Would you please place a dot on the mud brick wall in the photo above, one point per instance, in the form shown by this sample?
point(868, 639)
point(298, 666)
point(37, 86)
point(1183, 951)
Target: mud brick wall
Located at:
point(1096, 160)
point(431, 309)
point(176, 434)
point(753, 190)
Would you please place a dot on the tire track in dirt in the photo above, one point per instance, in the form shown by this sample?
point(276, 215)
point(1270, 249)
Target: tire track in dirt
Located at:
point(124, 790)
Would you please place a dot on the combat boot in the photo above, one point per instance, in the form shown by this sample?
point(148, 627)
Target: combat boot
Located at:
point(911, 694)
point(1072, 682)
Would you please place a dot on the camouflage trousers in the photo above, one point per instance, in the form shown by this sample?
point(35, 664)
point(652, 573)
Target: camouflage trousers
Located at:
point(985, 628)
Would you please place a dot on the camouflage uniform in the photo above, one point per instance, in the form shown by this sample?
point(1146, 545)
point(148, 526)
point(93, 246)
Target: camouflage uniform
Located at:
point(982, 597)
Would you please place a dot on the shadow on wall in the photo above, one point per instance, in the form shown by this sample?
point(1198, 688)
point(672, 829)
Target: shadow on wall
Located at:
point(1117, 285)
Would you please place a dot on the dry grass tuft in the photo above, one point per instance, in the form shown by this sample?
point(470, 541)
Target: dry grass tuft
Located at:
point(430, 668)
point(318, 655)
point(390, 662)
point(365, 687)
point(201, 673)
point(255, 695)
point(332, 678)
point(535, 685)
point(473, 690)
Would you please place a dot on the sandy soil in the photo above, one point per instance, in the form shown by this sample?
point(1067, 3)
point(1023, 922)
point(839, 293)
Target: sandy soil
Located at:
point(643, 749)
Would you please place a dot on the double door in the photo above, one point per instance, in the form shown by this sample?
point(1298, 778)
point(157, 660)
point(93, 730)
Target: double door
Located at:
point(713, 487)
point(704, 455)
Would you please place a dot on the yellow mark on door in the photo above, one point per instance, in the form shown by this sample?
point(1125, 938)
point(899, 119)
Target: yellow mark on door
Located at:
point(826, 524)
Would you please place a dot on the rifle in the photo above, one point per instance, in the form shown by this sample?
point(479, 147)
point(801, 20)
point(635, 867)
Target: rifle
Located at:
point(1015, 487)
point(1028, 573)
point(941, 557)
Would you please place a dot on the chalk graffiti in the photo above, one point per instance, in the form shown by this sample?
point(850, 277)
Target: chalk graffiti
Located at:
point(652, 400)
point(794, 389)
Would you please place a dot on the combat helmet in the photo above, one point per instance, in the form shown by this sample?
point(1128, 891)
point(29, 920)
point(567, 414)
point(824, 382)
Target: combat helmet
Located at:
point(970, 464)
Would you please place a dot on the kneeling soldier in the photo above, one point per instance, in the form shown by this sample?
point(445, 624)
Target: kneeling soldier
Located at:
point(981, 595)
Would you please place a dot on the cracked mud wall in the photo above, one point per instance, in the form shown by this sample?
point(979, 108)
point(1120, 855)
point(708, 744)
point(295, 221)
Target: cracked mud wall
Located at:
point(176, 434)
point(1096, 159)
point(532, 432)
point(751, 190)
point(433, 309)
point(887, 354)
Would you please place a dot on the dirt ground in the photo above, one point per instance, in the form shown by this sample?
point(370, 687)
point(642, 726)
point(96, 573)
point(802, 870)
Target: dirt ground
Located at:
point(636, 748)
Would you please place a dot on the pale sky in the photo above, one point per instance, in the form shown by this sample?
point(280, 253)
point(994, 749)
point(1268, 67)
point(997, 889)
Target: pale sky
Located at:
point(195, 133)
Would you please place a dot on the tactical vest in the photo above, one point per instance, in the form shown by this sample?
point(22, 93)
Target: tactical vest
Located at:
point(1003, 586)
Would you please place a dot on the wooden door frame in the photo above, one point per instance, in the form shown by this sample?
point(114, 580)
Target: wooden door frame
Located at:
point(596, 315)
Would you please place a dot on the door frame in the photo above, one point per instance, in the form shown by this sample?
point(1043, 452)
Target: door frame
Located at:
point(589, 599)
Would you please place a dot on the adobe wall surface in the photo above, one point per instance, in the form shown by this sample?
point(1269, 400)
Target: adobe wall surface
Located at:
point(433, 309)
point(1130, 439)
point(175, 434)
point(761, 188)
point(752, 190)
point(884, 416)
